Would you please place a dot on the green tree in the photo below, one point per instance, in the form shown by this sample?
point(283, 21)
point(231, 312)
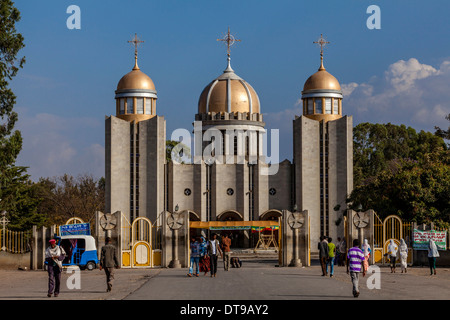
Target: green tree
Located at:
point(399, 171)
point(17, 191)
point(416, 190)
point(67, 197)
point(11, 43)
point(444, 134)
point(375, 145)
point(20, 199)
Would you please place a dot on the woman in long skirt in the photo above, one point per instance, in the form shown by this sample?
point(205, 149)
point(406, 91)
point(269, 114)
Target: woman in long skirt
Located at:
point(403, 255)
point(367, 251)
point(392, 251)
point(432, 255)
point(204, 258)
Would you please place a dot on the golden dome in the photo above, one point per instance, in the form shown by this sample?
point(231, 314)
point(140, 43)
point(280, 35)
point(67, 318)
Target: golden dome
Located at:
point(322, 96)
point(229, 93)
point(322, 80)
point(136, 79)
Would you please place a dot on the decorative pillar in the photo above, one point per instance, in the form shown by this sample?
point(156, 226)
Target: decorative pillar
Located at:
point(175, 221)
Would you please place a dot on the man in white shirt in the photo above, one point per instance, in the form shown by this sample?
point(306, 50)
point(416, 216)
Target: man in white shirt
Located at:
point(213, 248)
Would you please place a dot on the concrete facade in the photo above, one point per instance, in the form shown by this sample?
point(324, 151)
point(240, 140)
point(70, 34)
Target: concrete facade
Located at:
point(236, 186)
point(135, 167)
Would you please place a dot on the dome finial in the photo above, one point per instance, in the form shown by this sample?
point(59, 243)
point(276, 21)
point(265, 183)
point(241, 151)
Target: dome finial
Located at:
point(229, 39)
point(322, 43)
point(136, 41)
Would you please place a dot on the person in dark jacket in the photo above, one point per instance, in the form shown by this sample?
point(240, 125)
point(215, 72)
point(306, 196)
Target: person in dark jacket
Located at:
point(323, 254)
point(109, 262)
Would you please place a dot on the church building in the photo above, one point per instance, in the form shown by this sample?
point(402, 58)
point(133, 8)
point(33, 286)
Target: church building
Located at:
point(228, 178)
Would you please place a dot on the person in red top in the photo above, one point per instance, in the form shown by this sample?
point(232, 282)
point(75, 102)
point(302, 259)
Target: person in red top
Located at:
point(226, 244)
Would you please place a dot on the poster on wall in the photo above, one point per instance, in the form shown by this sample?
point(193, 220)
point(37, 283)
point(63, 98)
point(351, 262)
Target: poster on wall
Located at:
point(421, 238)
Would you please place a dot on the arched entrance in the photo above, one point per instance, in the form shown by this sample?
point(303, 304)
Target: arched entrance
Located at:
point(392, 227)
point(267, 237)
point(74, 220)
point(194, 233)
point(270, 215)
point(239, 238)
point(137, 248)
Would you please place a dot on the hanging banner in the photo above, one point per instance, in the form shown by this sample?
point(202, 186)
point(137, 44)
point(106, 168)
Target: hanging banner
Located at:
point(230, 228)
point(76, 229)
point(421, 238)
point(259, 229)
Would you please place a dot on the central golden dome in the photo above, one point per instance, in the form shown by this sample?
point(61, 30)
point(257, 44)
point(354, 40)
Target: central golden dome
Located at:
point(228, 93)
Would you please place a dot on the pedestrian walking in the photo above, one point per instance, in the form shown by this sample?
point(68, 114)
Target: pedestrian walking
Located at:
point(205, 261)
point(109, 262)
point(331, 256)
point(355, 260)
point(367, 252)
point(403, 255)
point(342, 248)
point(432, 255)
point(338, 253)
point(195, 257)
point(226, 244)
point(213, 250)
point(323, 254)
point(54, 256)
point(392, 253)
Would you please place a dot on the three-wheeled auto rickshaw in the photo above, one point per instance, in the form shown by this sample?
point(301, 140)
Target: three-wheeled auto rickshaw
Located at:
point(80, 251)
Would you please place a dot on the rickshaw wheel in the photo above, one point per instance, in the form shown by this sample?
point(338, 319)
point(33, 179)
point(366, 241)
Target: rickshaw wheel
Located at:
point(90, 266)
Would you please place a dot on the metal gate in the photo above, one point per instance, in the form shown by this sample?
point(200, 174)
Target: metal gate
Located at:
point(137, 250)
point(392, 227)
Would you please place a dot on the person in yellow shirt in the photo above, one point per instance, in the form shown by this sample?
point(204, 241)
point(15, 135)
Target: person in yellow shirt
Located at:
point(331, 256)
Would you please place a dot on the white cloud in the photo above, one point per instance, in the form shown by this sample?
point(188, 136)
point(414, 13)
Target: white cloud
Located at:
point(347, 89)
point(403, 74)
point(411, 93)
point(436, 114)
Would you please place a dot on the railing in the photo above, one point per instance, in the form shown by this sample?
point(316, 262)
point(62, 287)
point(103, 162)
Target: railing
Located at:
point(15, 241)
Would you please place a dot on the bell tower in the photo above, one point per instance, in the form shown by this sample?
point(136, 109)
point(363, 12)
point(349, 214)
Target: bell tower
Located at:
point(323, 153)
point(135, 147)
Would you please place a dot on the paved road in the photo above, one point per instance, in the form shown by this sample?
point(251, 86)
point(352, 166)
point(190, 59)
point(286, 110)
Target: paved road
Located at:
point(263, 281)
point(254, 281)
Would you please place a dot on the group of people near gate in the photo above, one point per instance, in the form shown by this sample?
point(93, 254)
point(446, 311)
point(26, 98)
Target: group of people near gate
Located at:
point(357, 257)
point(205, 253)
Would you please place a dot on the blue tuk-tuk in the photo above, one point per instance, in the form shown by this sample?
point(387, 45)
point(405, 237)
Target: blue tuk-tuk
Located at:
point(80, 251)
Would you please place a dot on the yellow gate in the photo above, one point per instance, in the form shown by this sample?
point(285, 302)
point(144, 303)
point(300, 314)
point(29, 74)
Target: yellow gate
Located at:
point(137, 248)
point(392, 227)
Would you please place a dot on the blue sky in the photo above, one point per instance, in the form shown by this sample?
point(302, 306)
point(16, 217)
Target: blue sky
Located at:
point(398, 74)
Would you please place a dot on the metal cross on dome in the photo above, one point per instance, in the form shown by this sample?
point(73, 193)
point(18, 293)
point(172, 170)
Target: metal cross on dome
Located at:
point(136, 42)
point(322, 43)
point(230, 40)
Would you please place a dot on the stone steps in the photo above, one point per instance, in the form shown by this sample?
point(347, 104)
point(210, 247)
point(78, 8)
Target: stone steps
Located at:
point(252, 254)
